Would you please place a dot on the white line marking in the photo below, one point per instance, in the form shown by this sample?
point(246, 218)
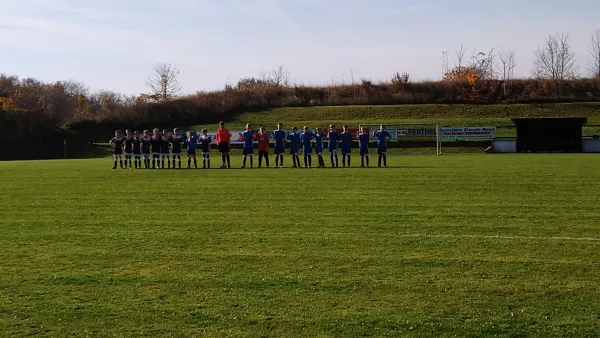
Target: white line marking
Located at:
point(425, 235)
point(562, 238)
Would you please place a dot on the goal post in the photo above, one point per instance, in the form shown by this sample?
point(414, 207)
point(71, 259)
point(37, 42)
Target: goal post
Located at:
point(424, 134)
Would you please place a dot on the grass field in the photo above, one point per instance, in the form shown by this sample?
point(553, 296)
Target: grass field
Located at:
point(455, 245)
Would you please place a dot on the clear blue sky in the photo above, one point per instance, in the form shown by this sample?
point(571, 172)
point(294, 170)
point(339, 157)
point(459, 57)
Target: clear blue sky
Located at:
point(112, 44)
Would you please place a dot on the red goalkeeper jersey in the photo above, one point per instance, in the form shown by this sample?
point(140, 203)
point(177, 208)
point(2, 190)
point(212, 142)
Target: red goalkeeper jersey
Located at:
point(263, 141)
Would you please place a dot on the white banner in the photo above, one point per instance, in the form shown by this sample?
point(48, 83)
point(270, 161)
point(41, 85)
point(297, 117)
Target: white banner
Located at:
point(409, 133)
point(468, 133)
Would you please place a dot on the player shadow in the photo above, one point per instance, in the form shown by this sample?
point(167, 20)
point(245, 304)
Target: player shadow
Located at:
point(326, 168)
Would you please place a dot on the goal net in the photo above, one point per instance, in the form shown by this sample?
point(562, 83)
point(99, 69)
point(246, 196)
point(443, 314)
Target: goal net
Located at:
point(412, 138)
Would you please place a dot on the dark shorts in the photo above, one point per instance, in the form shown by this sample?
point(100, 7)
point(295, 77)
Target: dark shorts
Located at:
point(146, 151)
point(248, 151)
point(191, 152)
point(332, 149)
point(382, 151)
point(346, 151)
point(223, 147)
point(263, 153)
point(118, 151)
point(364, 151)
point(279, 150)
point(293, 151)
point(136, 152)
point(307, 151)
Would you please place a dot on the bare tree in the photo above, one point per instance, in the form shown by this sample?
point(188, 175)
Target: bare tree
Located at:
point(445, 66)
point(460, 56)
point(163, 82)
point(280, 77)
point(555, 59)
point(484, 64)
point(508, 63)
point(399, 79)
point(594, 58)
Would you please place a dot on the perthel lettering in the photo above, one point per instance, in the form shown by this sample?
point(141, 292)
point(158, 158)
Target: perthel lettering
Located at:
point(419, 131)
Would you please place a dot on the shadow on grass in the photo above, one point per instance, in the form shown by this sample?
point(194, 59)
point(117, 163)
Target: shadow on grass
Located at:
point(288, 168)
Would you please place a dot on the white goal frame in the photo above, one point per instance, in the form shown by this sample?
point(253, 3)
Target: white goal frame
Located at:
point(436, 125)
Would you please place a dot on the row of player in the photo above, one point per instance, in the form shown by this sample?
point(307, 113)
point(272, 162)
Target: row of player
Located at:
point(158, 149)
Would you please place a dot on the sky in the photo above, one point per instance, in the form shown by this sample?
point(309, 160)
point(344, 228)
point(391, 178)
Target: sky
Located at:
point(113, 44)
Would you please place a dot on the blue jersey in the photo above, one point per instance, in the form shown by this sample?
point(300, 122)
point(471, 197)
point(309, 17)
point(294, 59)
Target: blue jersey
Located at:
point(306, 139)
point(363, 141)
point(248, 136)
point(294, 142)
point(191, 142)
point(319, 143)
point(382, 137)
point(347, 140)
point(334, 138)
point(280, 137)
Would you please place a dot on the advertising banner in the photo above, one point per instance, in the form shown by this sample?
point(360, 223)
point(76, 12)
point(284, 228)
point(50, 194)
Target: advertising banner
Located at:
point(418, 133)
point(468, 133)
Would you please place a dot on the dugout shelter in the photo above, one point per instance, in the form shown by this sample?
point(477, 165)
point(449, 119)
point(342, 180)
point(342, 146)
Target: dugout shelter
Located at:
point(549, 134)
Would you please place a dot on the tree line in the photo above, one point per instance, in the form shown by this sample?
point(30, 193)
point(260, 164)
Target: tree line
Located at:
point(31, 110)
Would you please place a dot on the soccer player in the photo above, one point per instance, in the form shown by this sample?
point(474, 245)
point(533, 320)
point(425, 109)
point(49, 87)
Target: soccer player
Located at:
point(347, 142)
point(332, 146)
point(165, 148)
point(117, 142)
point(263, 146)
point(382, 136)
point(128, 147)
point(223, 140)
point(156, 141)
point(137, 150)
point(248, 149)
point(294, 139)
point(146, 142)
point(280, 136)
point(176, 139)
point(363, 142)
point(206, 140)
point(191, 142)
point(306, 137)
point(319, 146)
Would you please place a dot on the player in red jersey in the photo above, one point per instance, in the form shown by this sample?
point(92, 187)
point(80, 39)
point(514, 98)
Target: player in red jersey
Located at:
point(263, 146)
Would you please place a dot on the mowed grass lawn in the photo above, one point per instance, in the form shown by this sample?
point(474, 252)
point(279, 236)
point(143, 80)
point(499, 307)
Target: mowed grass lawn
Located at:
point(465, 245)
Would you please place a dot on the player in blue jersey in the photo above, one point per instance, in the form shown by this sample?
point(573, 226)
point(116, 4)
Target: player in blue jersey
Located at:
point(347, 142)
point(206, 141)
point(117, 143)
point(382, 136)
point(363, 144)
point(191, 143)
point(176, 139)
point(294, 139)
point(306, 137)
point(248, 150)
point(280, 136)
point(319, 146)
point(332, 145)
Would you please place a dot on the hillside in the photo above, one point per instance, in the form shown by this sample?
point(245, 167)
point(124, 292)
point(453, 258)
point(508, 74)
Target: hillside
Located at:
point(447, 114)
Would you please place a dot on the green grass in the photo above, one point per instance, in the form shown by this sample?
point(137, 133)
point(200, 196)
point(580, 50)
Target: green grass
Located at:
point(455, 245)
point(448, 115)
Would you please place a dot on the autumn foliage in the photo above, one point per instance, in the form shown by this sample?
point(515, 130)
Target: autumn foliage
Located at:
point(29, 106)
